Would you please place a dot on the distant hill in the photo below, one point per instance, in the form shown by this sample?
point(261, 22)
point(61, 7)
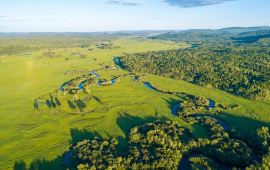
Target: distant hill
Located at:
point(229, 36)
point(238, 30)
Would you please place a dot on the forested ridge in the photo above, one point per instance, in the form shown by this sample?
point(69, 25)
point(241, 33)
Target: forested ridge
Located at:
point(243, 71)
point(233, 36)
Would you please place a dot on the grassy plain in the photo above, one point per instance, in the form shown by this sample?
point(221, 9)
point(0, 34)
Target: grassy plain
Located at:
point(27, 134)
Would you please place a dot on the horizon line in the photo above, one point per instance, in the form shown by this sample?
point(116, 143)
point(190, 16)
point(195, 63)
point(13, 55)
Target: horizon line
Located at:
point(119, 31)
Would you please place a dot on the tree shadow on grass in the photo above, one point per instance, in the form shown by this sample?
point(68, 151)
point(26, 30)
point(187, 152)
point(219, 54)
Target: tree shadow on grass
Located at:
point(40, 164)
point(19, 165)
point(43, 164)
point(243, 126)
point(126, 121)
point(199, 131)
point(62, 161)
point(80, 104)
point(57, 101)
point(81, 134)
point(97, 99)
point(71, 104)
point(171, 102)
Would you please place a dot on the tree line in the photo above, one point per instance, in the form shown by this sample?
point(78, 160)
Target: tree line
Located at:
point(242, 71)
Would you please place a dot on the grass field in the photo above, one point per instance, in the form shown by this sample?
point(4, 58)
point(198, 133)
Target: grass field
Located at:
point(27, 135)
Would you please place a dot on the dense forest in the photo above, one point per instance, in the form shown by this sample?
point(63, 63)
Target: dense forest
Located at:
point(165, 145)
point(243, 71)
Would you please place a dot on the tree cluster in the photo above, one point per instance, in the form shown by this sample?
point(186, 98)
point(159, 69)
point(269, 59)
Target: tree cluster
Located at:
point(166, 145)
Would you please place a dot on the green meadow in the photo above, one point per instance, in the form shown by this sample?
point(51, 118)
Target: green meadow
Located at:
point(27, 134)
point(30, 135)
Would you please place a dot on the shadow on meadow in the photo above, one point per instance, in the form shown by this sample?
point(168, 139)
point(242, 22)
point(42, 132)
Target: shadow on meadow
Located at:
point(97, 99)
point(19, 165)
point(126, 122)
point(243, 126)
point(39, 164)
point(81, 134)
point(171, 102)
point(60, 162)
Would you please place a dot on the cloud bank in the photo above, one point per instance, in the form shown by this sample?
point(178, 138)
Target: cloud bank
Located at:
point(194, 3)
point(123, 3)
point(179, 3)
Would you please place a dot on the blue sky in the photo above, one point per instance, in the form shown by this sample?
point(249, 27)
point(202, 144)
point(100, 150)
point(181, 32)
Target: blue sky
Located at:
point(116, 15)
